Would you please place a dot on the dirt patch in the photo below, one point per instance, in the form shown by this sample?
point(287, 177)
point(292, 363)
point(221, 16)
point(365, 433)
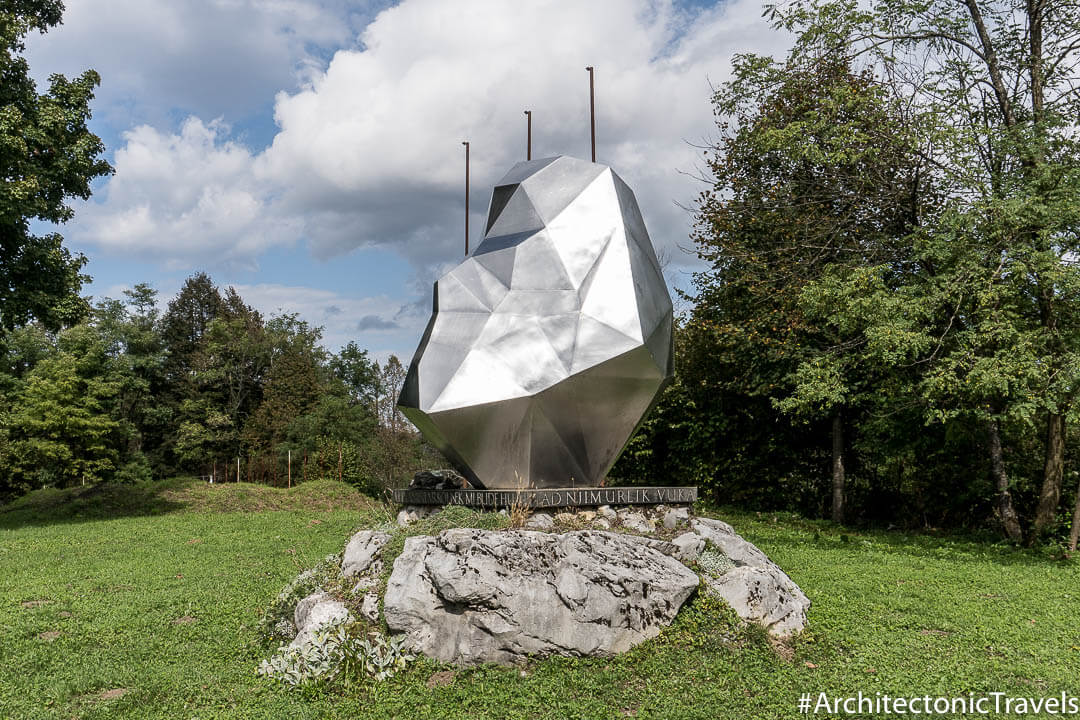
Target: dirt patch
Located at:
point(114, 693)
point(938, 633)
point(49, 635)
point(441, 679)
point(782, 648)
point(185, 620)
point(35, 603)
point(66, 614)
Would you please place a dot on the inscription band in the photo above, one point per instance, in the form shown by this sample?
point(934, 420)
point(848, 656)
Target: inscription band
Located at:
point(548, 497)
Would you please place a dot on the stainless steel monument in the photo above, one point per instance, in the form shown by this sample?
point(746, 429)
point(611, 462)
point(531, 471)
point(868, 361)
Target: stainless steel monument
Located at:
point(550, 343)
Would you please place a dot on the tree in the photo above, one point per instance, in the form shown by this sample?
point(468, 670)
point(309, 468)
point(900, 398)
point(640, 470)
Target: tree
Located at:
point(47, 156)
point(61, 428)
point(815, 171)
point(994, 87)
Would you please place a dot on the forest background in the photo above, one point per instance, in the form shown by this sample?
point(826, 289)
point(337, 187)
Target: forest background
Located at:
point(885, 330)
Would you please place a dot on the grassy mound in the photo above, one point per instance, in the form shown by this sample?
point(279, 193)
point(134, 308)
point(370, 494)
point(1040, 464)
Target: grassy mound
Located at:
point(108, 501)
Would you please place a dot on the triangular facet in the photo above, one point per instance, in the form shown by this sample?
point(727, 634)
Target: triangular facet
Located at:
point(537, 266)
point(559, 184)
point(456, 296)
point(596, 342)
point(580, 232)
point(492, 438)
point(661, 345)
point(558, 451)
point(611, 399)
point(481, 375)
point(516, 216)
point(561, 332)
point(438, 366)
point(650, 291)
point(634, 223)
point(521, 346)
point(499, 263)
point(524, 169)
point(608, 295)
point(499, 197)
point(479, 280)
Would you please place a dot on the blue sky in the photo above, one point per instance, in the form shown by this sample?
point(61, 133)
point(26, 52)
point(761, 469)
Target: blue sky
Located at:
point(309, 152)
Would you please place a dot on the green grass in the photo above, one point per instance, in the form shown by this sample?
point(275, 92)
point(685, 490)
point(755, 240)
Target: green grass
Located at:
point(896, 614)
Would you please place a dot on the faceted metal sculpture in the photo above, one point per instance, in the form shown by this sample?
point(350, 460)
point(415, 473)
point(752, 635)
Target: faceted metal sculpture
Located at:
point(549, 344)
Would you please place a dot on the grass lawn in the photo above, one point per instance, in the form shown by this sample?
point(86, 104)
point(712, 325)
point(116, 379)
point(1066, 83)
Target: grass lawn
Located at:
point(141, 603)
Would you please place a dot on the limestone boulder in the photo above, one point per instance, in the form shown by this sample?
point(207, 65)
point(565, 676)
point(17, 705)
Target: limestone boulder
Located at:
point(313, 612)
point(362, 553)
point(473, 596)
point(756, 588)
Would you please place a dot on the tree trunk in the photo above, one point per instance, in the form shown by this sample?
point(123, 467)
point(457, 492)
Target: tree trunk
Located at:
point(1053, 470)
point(1009, 521)
point(1074, 533)
point(837, 468)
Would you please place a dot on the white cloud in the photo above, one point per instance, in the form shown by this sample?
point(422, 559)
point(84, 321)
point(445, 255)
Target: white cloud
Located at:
point(378, 323)
point(185, 198)
point(368, 152)
point(206, 57)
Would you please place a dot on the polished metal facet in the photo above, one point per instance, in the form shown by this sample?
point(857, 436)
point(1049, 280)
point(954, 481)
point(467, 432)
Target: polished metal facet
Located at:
point(549, 344)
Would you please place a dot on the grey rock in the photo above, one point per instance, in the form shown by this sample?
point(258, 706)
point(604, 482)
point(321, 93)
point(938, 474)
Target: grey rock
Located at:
point(369, 606)
point(406, 518)
point(602, 524)
point(689, 547)
point(367, 581)
point(540, 521)
point(724, 537)
point(362, 553)
point(675, 517)
point(636, 521)
point(313, 612)
point(756, 588)
point(474, 596)
point(411, 513)
point(660, 546)
point(763, 597)
point(606, 512)
point(438, 480)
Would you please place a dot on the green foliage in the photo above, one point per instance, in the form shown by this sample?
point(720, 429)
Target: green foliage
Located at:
point(714, 562)
point(338, 653)
point(891, 232)
point(276, 623)
point(47, 156)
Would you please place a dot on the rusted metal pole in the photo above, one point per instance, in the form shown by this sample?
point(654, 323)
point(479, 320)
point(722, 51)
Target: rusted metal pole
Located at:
point(528, 140)
point(466, 144)
point(592, 111)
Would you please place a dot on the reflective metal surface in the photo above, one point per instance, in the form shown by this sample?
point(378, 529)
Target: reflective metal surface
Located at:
point(549, 344)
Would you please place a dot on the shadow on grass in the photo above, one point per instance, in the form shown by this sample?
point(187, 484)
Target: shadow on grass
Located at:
point(106, 501)
point(787, 529)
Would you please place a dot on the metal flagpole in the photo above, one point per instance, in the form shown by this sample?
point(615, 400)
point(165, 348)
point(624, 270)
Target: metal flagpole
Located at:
point(528, 140)
point(592, 111)
point(466, 144)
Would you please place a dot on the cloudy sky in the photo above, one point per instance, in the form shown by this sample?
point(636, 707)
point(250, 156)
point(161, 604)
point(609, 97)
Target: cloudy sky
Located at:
point(309, 152)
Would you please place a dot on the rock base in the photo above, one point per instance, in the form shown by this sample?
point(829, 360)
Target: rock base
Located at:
point(564, 585)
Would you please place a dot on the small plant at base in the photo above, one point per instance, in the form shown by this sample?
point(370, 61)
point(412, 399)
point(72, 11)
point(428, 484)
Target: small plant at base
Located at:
point(334, 652)
point(277, 620)
point(714, 563)
point(519, 510)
